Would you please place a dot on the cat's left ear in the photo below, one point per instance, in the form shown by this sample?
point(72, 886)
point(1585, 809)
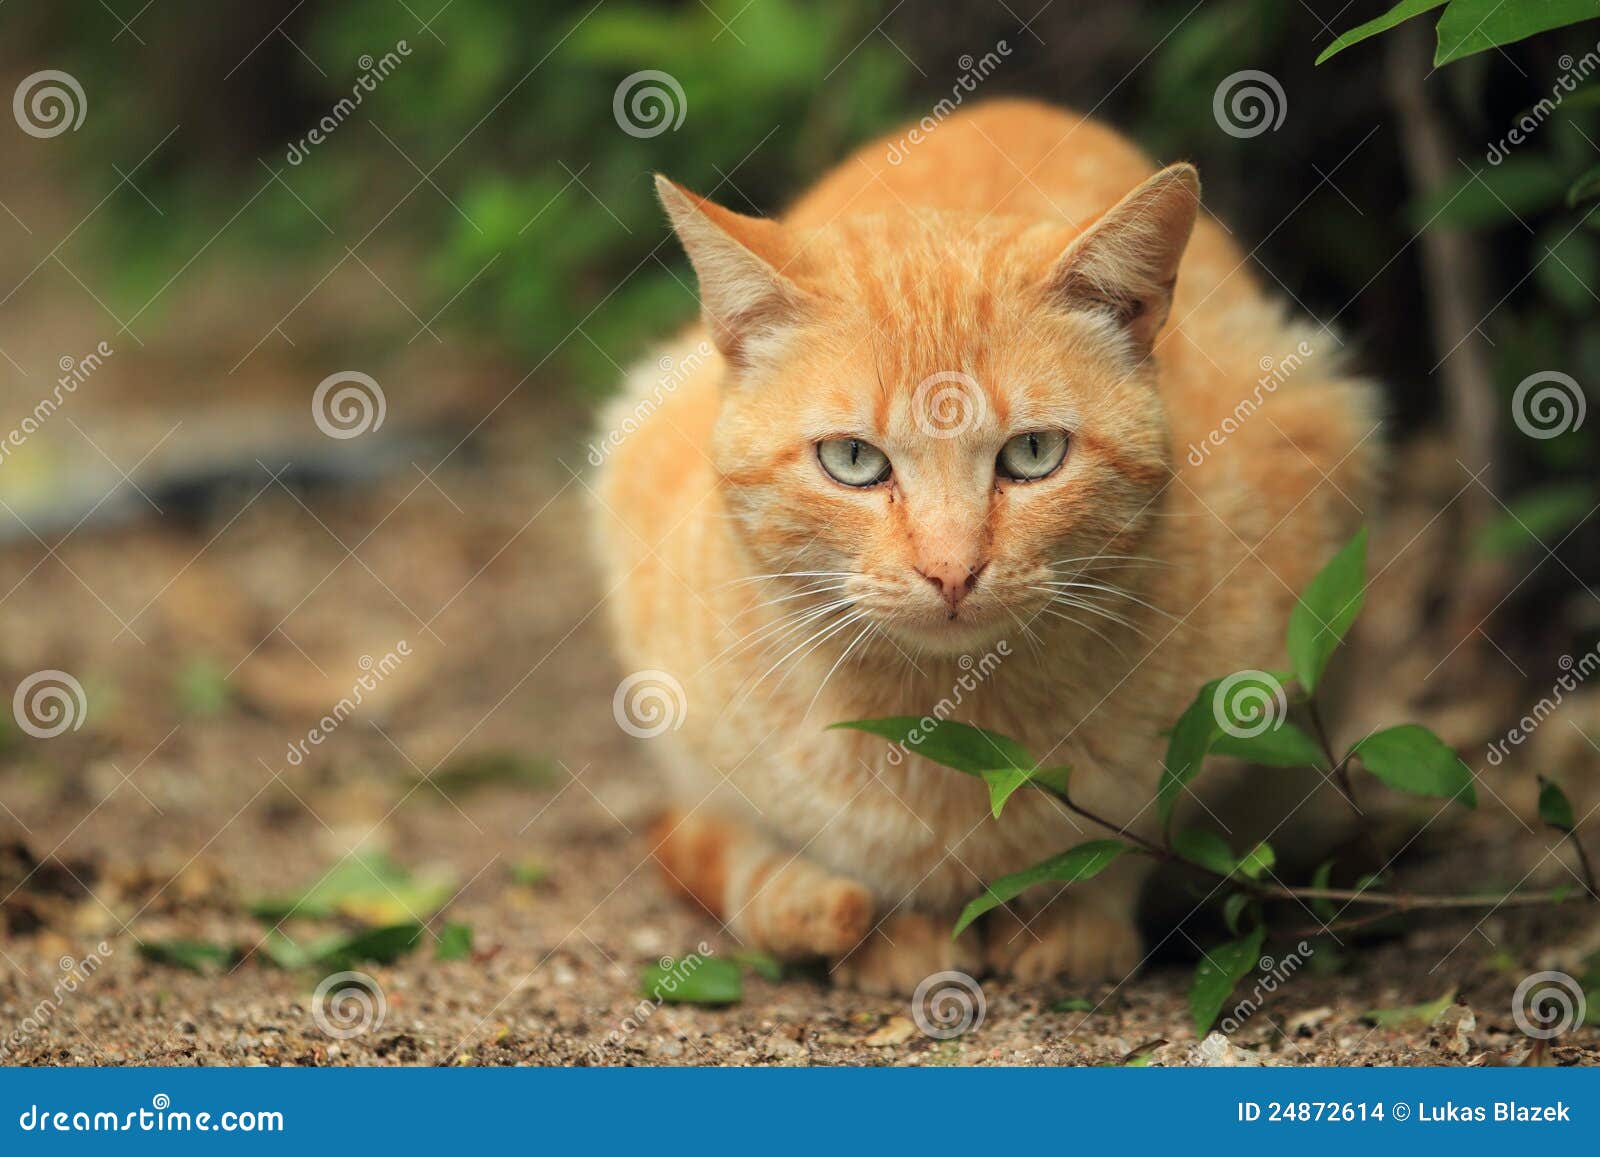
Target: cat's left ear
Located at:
point(745, 298)
point(1126, 263)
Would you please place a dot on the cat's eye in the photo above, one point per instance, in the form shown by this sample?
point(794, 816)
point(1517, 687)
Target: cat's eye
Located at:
point(1031, 456)
point(853, 462)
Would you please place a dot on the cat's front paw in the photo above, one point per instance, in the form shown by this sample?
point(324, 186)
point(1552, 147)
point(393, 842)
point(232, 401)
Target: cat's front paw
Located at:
point(1076, 938)
point(902, 951)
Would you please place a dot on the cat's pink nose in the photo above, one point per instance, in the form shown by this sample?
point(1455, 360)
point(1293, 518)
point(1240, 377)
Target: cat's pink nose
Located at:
point(954, 581)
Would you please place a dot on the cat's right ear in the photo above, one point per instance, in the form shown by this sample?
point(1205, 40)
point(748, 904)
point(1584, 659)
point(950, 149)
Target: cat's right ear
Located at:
point(745, 298)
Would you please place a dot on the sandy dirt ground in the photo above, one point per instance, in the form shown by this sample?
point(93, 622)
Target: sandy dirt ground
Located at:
point(488, 755)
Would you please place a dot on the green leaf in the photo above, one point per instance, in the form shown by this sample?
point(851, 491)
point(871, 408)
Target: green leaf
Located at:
point(1284, 745)
point(529, 873)
point(1217, 973)
point(1423, 1014)
point(1412, 759)
point(1534, 517)
point(1080, 863)
point(1233, 908)
point(1257, 860)
point(1199, 731)
point(367, 886)
point(1397, 15)
point(1323, 907)
point(1494, 196)
point(962, 746)
point(765, 966)
point(1323, 615)
point(1585, 187)
point(374, 946)
point(1207, 849)
point(1187, 745)
point(1004, 781)
point(1555, 808)
point(1472, 26)
point(202, 956)
point(694, 980)
point(1141, 1057)
point(1568, 268)
point(455, 942)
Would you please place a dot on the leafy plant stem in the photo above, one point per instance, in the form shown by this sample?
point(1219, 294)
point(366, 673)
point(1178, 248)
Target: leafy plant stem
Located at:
point(1347, 787)
point(1393, 901)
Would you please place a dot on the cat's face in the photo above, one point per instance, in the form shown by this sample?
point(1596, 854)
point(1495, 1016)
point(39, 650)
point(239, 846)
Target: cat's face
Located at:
point(935, 418)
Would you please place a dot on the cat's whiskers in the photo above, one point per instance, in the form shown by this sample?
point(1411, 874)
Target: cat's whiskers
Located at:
point(1113, 591)
point(806, 646)
point(1083, 603)
point(843, 655)
point(1049, 609)
point(783, 625)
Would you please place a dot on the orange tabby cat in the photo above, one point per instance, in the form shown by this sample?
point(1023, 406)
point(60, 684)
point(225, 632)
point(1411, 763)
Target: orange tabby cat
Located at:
point(985, 432)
